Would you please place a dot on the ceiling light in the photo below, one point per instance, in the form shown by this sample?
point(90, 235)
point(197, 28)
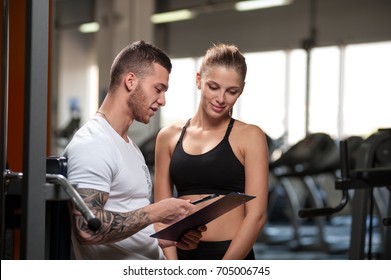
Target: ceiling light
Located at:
point(259, 4)
point(90, 27)
point(172, 16)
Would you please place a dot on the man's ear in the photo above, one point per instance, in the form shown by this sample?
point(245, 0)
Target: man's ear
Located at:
point(130, 81)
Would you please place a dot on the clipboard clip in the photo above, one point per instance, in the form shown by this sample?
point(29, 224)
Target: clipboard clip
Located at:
point(204, 199)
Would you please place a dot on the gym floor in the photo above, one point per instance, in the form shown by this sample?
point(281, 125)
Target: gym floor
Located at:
point(276, 242)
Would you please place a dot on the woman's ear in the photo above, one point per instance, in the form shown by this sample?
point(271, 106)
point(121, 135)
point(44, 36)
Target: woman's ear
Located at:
point(241, 91)
point(198, 80)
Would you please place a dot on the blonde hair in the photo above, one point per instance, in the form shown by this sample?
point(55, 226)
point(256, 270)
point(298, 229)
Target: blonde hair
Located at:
point(225, 55)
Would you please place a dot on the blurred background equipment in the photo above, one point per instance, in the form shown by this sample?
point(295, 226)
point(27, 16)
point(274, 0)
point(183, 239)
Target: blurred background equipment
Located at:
point(318, 73)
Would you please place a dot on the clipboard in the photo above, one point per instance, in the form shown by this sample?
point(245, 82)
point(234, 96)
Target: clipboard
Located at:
point(203, 216)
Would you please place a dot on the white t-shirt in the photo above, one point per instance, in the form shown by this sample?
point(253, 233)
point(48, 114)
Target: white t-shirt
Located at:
point(99, 158)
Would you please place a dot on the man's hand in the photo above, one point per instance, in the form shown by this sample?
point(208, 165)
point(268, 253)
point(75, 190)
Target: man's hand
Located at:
point(189, 241)
point(170, 210)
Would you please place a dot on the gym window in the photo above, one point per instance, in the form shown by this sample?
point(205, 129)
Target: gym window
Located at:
point(350, 91)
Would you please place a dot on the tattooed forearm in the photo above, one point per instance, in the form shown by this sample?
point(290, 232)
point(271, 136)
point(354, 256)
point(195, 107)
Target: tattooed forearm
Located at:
point(115, 226)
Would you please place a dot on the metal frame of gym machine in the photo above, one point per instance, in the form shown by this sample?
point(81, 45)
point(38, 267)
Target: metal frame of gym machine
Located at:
point(35, 186)
point(363, 179)
point(34, 145)
point(3, 113)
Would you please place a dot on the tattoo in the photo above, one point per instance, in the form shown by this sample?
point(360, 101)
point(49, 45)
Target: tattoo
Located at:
point(115, 227)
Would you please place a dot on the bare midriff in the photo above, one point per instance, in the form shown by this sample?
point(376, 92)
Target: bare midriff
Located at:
point(224, 227)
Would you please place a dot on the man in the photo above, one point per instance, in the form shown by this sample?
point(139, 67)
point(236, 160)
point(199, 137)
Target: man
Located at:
point(110, 171)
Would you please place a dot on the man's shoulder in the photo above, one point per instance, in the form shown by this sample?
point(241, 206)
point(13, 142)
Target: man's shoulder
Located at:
point(90, 135)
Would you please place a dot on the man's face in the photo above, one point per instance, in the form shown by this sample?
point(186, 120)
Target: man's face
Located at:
point(149, 94)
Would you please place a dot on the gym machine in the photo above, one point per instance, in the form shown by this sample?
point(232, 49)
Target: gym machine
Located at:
point(58, 192)
point(301, 176)
point(41, 191)
point(371, 181)
point(294, 178)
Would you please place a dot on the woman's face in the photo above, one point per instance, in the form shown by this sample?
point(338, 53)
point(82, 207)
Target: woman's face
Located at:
point(220, 88)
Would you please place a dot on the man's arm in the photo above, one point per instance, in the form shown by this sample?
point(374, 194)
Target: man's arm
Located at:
point(117, 226)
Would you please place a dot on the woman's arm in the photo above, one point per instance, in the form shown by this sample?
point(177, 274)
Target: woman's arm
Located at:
point(255, 156)
point(163, 187)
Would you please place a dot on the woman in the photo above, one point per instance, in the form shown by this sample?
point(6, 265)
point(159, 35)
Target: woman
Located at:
point(214, 153)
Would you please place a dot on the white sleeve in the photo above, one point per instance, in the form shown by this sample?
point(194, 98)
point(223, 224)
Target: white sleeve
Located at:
point(92, 163)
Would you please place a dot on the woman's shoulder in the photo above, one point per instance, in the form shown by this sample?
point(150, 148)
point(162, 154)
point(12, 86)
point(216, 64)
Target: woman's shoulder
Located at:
point(248, 129)
point(249, 137)
point(170, 131)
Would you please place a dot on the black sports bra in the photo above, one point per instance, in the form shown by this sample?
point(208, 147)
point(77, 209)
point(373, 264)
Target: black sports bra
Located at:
point(216, 171)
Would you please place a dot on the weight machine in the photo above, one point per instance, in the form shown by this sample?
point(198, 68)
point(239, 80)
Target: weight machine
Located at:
point(42, 189)
point(58, 192)
point(371, 182)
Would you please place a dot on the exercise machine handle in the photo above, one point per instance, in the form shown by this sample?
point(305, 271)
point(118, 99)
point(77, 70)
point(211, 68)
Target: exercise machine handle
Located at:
point(92, 221)
point(327, 211)
point(345, 176)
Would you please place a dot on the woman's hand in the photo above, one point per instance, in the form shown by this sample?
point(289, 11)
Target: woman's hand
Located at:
point(189, 240)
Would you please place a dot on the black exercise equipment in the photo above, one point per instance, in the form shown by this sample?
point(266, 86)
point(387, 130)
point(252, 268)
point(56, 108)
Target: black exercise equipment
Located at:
point(372, 172)
point(300, 177)
point(59, 192)
point(294, 173)
point(311, 155)
point(59, 241)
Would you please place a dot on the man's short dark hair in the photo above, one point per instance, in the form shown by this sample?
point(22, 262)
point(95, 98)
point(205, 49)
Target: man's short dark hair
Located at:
point(137, 58)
